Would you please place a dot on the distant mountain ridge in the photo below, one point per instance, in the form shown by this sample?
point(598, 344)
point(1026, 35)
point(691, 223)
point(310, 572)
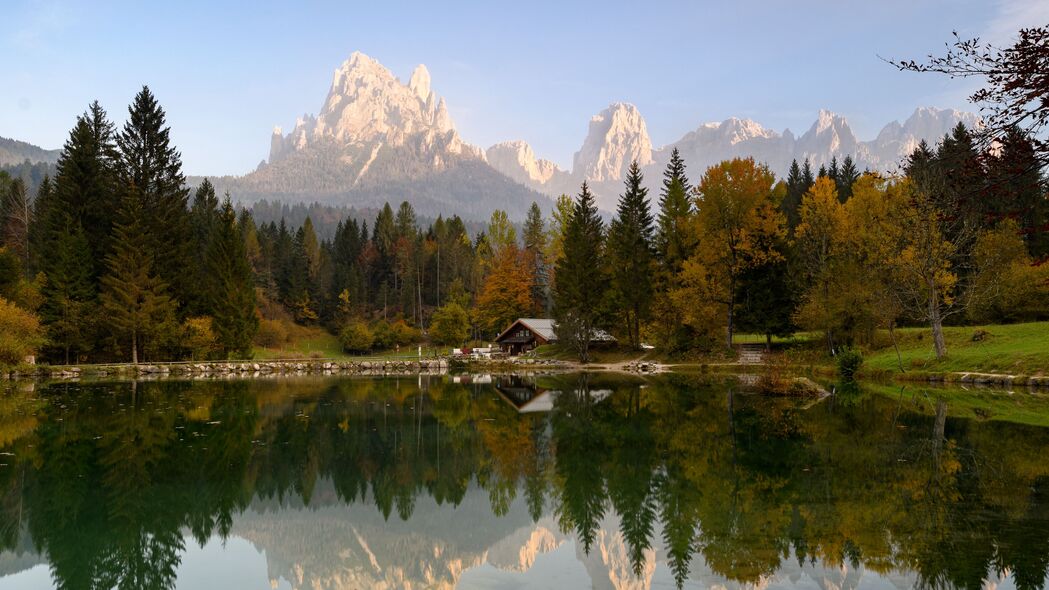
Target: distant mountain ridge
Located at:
point(608, 148)
point(14, 152)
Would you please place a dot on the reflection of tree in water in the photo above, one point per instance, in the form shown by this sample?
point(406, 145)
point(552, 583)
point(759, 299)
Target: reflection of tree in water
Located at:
point(107, 478)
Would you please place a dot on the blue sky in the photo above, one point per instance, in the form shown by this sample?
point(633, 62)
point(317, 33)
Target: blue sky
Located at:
point(227, 72)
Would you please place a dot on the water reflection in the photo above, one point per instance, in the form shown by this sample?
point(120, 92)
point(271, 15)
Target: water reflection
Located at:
point(358, 483)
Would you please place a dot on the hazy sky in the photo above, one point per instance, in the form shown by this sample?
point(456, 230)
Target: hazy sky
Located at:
point(227, 72)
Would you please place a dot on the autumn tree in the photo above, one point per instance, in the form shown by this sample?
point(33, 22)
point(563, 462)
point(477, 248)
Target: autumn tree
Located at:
point(505, 295)
point(738, 222)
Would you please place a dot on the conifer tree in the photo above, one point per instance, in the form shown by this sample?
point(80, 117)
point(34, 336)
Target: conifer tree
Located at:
point(672, 242)
point(581, 283)
point(807, 179)
point(230, 289)
point(847, 176)
point(795, 191)
point(84, 184)
point(630, 255)
point(69, 292)
point(535, 253)
point(135, 299)
point(150, 168)
point(203, 219)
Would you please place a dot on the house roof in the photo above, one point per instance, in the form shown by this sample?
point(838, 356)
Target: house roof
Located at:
point(544, 327)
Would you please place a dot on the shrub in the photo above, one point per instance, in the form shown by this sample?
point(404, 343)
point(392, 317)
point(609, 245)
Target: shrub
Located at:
point(849, 361)
point(403, 334)
point(199, 338)
point(20, 333)
point(356, 337)
point(272, 333)
point(450, 325)
point(383, 337)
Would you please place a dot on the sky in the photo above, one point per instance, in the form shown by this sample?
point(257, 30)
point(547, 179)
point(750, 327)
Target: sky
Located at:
point(228, 72)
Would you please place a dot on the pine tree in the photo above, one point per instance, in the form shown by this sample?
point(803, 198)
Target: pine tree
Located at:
point(230, 288)
point(1017, 188)
point(203, 216)
point(535, 253)
point(581, 284)
point(847, 176)
point(135, 299)
point(672, 242)
point(41, 230)
point(85, 185)
point(795, 191)
point(807, 179)
point(69, 292)
point(150, 168)
point(631, 256)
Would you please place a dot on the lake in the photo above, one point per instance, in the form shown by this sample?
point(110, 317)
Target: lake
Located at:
point(565, 481)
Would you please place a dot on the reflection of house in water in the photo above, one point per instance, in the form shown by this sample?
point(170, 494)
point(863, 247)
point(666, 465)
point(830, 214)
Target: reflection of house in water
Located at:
point(527, 397)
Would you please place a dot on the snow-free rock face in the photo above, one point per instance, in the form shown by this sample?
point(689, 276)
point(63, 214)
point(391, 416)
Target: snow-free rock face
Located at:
point(367, 104)
point(617, 136)
point(517, 160)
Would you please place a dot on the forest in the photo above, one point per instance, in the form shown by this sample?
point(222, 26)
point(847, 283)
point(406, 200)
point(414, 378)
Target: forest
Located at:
point(114, 258)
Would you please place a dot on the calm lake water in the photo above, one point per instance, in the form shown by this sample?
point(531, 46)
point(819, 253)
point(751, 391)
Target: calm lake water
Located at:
point(557, 482)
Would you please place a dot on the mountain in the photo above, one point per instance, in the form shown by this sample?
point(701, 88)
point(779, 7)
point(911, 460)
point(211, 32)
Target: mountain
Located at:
point(14, 152)
point(619, 134)
point(375, 140)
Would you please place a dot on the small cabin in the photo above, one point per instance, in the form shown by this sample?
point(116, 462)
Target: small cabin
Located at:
point(525, 334)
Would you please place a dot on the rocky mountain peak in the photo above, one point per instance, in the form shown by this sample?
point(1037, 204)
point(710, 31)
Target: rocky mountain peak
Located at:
point(367, 104)
point(516, 160)
point(616, 137)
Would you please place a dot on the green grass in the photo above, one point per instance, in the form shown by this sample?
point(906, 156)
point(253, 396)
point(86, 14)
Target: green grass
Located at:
point(601, 355)
point(1013, 349)
point(316, 342)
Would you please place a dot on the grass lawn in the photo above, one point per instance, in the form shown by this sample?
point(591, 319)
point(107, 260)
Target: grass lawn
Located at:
point(976, 403)
point(1013, 349)
point(316, 342)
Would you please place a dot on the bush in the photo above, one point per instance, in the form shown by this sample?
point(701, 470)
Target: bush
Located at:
point(355, 337)
point(383, 337)
point(403, 334)
point(849, 361)
point(450, 325)
point(272, 333)
point(199, 338)
point(20, 333)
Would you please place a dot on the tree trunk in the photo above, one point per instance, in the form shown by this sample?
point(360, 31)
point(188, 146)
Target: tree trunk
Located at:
point(892, 334)
point(134, 348)
point(768, 342)
point(936, 321)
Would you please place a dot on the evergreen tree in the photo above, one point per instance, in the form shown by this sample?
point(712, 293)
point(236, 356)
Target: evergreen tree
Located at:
point(535, 253)
point(581, 284)
point(16, 216)
point(833, 171)
point(85, 185)
point(631, 256)
point(203, 219)
point(230, 289)
point(135, 299)
point(69, 294)
point(150, 168)
point(1017, 188)
point(795, 191)
point(847, 176)
point(41, 230)
point(673, 244)
point(807, 179)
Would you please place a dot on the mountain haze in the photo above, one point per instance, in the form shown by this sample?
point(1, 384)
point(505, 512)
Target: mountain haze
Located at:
point(14, 152)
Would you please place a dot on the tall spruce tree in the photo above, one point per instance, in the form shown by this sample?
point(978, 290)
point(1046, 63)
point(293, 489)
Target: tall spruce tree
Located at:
point(795, 191)
point(1017, 187)
point(535, 254)
point(631, 257)
point(203, 215)
point(85, 185)
point(150, 168)
point(807, 178)
point(69, 293)
point(230, 287)
point(847, 176)
point(135, 299)
point(581, 283)
point(673, 244)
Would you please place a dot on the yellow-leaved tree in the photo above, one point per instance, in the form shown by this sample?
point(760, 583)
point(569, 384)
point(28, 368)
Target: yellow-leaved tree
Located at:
point(505, 295)
point(738, 223)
